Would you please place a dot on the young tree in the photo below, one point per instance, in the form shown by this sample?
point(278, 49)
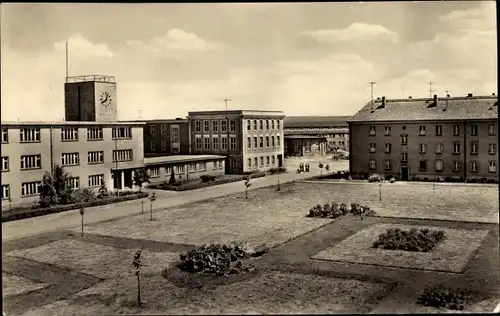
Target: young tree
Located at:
point(55, 188)
point(137, 265)
point(327, 167)
point(247, 185)
point(172, 177)
point(82, 212)
point(141, 176)
point(320, 168)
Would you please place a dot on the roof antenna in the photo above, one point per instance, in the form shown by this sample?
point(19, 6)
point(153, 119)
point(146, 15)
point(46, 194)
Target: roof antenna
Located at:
point(447, 96)
point(372, 83)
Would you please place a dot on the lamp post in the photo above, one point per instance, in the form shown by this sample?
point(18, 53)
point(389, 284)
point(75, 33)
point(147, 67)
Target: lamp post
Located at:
point(152, 198)
point(82, 212)
point(380, 191)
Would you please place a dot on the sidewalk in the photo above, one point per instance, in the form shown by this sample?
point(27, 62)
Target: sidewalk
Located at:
point(166, 199)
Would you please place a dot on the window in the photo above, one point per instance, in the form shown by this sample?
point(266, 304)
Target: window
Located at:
point(255, 125)
point(272, 141)
point(164, 145)
point(387, 131)
point(491, 130)
point(232, 126)
point(122, 132)
point(249, 126)
point(175, 150)
point(94, 133)
point(492, 149)
point(404, 157)
point(278, 124)
point(261, 142)
point(215, 142)
point(215, 126)
point(261, 161)
point(198, 142)
point(387, 165)
point(5, 135)
point(70, 159)
point(122, 155)
point(372, 164)
point(154, 172)
point(492, 166)
point(249, 142)
point(5, 191)
point(192, 167)
point(214, 167)
point(439, 148)
point(224, 143)
point(152, 130)
point(95, 157)
point(223, 126)
point(456, 148)
point(255, 142)
point(31, 162)
point(5, 164)
point(202, 166)
point(404, 139)
point(30, 135)
point(456, 130)
point(221, 164)
point(69, 134)
point(474, 148)
point(152, 145)
point(96, 180)
point(272, 124)
point(387, 149)
point(175, 134)
point(261, 124)
point(421, 130)
point(206, 142)
point(256, 162)
point(439, 130)
point(474, 166)
point(373, 131)
point(439, 165)
point(273, 160)
point(278, 143)
point(197, 126)
point(163, 129)
point(73, 183)
point(422, 165)
point(373, 147)
point(179, 169)
point(30, 188)
point(267, 141)
point(267, 161)
point(232, 143)
point(267, 124)
point(206, 126)
point(473, 130)
point(249, 163)
point(168, 170)
point(422, 148)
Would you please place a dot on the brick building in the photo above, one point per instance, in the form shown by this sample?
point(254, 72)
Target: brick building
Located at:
point(426, 138)
point(164, 137)
point(251, 140)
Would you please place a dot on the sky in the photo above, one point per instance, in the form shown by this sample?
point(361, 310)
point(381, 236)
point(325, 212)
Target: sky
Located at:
point(300, 58)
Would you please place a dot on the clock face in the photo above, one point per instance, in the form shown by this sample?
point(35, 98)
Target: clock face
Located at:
point(105, 99)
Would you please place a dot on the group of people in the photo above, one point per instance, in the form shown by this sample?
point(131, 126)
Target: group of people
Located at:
point(303, 168)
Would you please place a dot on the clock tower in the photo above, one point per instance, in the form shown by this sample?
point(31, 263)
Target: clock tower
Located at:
point(90, 98)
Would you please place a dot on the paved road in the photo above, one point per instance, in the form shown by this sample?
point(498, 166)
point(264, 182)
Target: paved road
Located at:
point(166, 199)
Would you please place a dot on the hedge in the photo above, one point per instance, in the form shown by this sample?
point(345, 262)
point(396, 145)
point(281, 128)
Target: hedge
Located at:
point(17, 214)
point(199, 185)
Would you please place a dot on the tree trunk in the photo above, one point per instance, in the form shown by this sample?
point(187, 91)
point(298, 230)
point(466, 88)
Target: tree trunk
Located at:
point(139, 290)
point(82, 225)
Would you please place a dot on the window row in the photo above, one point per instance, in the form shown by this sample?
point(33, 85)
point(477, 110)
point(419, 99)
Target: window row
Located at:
point(438, 130)
point(174, 137)
point(262, 161)
point(180, 169)
point(261, 142)
point(31, 135)
point(214, 126)
point(163, 146)
point(214, 143)
point(438, 165)
point(263, 125)
point(439, 148)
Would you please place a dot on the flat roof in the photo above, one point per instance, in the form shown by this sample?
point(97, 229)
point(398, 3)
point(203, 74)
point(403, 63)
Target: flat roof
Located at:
point(179, 158)
point(303, 137)
point(237, 112)
point(69, 123)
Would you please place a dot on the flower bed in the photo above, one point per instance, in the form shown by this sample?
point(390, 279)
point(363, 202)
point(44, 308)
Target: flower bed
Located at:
point(204, 183)
point(21, 213)
point(421, 239)
point(441, 297)
point(335, 210)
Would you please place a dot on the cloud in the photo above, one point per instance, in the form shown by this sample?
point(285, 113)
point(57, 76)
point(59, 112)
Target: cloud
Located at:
point(176, 40)
point(354, 32)
point(80, 46)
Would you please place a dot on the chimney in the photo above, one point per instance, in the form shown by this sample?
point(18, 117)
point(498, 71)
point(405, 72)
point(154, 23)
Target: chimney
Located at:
point(409, 97)
point(383, 102)
point(469, 95)
point(378, 98)
point(435, 99)
point(448, 95)
point(493, 94)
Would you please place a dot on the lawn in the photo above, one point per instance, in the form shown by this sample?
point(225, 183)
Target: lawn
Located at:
point(450, 255)
point(97, 260)
point(13, 285)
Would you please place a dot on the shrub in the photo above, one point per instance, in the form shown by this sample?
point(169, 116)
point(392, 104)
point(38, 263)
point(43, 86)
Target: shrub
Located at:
point(422, 240)
point(217, 259)
point(207, 178)
point(375, 178)
point(141, 176)
point(83, 195)
point(198, 185)
point(55, 187)
point(335, 210)
point(392, 180)
point(441, 297)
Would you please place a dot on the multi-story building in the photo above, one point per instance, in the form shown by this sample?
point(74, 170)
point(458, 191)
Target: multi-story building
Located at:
point(305, 145)
point(92, 152)
point(166, 137)
point(426, 138)
point(333, 128)
point(251, 140)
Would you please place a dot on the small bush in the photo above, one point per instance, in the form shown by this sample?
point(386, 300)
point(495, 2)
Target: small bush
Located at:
point(422, 240)
point(216, 259)
point(375, 178)
point(335, 210)
point(207, 178)
point(277, 170)
point(198, 185)
point(83, 195)
point(441, 297)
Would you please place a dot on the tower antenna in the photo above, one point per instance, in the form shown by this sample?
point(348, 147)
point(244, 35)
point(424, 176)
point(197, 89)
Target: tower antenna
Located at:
point(67, 61)
point(372, 83)
point(430, 88)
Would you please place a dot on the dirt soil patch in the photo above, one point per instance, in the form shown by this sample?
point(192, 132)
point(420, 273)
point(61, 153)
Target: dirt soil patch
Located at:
point(450, 255)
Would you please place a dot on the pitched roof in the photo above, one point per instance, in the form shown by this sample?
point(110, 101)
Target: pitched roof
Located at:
point(424, 109)
point(315, 121)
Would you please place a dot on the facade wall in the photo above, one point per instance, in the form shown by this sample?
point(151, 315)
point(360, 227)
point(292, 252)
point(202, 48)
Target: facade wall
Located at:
point(14, 149)
point(79, 98)
point(109, 111)
point(159, 138)
point(305, 147)
point(335, 137)
point(361, 155)
point(163, 172)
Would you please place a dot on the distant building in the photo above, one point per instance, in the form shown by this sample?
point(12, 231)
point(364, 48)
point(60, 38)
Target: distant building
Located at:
point(426, 138)
point(163, 137)
point(305, 145)
point(333, 128)
point(251, 140)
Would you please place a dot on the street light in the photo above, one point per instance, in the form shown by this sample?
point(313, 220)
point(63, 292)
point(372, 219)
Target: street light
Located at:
point(82, 212)
point(380, 191)
point(152, 198)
